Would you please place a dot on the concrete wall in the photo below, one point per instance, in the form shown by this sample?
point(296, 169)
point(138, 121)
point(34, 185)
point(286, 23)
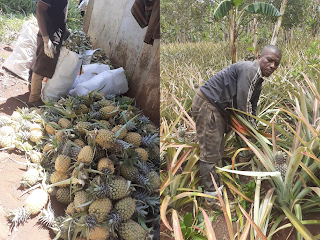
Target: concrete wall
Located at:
point(112, 27)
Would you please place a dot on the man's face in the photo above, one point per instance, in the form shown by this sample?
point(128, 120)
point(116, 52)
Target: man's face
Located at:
point(269, 61)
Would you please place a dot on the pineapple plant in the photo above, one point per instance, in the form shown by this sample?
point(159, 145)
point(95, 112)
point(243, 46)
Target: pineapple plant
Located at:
point(280, 163)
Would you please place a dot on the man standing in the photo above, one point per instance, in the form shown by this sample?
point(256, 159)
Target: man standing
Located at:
point(51, 17)
point(238, 86)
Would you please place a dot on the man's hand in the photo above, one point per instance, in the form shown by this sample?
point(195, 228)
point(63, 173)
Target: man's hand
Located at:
point(49, 48)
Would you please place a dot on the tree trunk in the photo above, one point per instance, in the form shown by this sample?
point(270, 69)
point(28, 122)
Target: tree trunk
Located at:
point(278, 24)
point(255, 32)
point(316, 25)
point(232, 32)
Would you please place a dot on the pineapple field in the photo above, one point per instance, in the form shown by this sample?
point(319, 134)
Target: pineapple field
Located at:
point(77, 168)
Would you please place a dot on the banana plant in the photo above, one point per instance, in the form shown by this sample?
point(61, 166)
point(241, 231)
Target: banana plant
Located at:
point(236, 12)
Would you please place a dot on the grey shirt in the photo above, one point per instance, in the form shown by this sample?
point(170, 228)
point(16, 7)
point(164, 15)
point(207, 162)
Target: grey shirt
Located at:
point(238, 86)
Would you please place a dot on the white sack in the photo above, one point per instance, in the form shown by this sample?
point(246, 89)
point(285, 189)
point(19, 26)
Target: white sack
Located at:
point(66, 71)
point(89, 71)
point(112, 82)
point(83, 5)
point(24, 53)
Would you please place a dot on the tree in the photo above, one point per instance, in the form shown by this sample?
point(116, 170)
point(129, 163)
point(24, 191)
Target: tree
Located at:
point(278, 24)
point(235, 17)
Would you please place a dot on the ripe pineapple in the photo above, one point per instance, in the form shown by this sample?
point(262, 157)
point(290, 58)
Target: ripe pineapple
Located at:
point(128, 116)
point(125, 208)
point(51, 127)
point(35, 126)
point(30, 177)
point(107, 112)
point(154, 180)
point(130, 230)
point(100, 208)
point(48, 147)
point(8, 142)
point(122, 134)
point(133, 138)
point(280, 163)
point(119, 188)
point(85, 155)
point(143, 154)
point(129, 172)
point(105, 138)
point(63, 195)
point(62, 163)
point(58, 177)
point(81, 109)
point(70, 209)
point(106, 124)
point(79, 143)
point(105, 163)
point(6, 130)
point(16, 116)
point(83, 127)
point(61, 135)
point(32, 205)
point(80, 198)
point(100, 104)
point(64, 123)
point(98, 233)
point(35, 135)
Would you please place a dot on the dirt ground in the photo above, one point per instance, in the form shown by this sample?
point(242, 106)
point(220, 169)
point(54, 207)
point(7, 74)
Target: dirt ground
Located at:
point(13, 92)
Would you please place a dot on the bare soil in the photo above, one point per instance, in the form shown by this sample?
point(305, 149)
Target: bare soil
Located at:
point(13, 92)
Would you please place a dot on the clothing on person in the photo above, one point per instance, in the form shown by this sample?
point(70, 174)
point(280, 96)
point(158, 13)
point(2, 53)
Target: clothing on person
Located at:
point(153, 31)
point(238, 86)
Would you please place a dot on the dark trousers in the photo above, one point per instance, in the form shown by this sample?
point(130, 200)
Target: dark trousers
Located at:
point(210, 126)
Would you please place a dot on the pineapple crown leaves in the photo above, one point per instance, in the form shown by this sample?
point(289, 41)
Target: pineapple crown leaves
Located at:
point(100, 123)
point(17, 217)
point(125, 126)
point(150, 140)
point(47, 216)
point(113, 221)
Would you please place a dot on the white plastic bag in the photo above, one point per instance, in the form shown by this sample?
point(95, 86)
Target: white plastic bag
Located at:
point(89, 71)
point(66, 71)
point(24, 53)
point(83, 5)
point(111, 82)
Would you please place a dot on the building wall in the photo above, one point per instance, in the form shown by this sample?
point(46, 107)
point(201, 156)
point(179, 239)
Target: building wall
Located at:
point(112, 27)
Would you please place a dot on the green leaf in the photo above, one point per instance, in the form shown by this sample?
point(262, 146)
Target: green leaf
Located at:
point(199, 237)
point(263, 8)
point(238, 3)
point(187, 220)
point(223, 9)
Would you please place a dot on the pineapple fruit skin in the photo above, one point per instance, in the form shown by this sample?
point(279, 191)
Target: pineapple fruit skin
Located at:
point(52, 129)
point(80, 198)
point(118, 188)
point(64, 123)
point(130, 230)
point(143, 154)
point(62, 163)
point(125, 207)
point(99, 233)
point(105, 138)
point(133, 138)
point(85, 155)
point(30, 177)
point(63, 195)
point(36, 201)
point(100, 208)
point(105, 163)
point(123, 133)
point(58, 177)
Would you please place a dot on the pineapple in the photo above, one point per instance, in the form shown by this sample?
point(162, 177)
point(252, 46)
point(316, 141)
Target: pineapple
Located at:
point(125, 208)
point(105, 138)
point(35, 156)
point(32, 205)
point(126, 118)
point(129, 172)
point(280, 163)
point(30, 177)
point(8, 142)
point(122, 134)
point(16, 116)
point(51, 127)
point(83, 127)
point(79, 143)
point(64, 123)
point(74, 152)
point(100, 208)
point(61, 135)
point(106, 124)
point(143, 154)
point(62, 163)
point(70, 209)
point(98, 233)
point(81, 109)
point(130, 230)
point(119, 188)
point(133, 138)
point(105, 163)
point(6, 130)
point(107, 112)
point(80, 198)
point(154, 180)
point(35, 126)
point(85, 100)
point(63, 195)
point(100, 104)
point(48, 147)
point(58, 177)
point(85, 155)
point(35, 135)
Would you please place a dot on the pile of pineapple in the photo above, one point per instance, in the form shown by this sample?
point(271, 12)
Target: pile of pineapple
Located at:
point(96, 154)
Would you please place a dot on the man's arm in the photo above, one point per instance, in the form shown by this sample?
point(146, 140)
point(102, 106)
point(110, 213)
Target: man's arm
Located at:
point(41, 17)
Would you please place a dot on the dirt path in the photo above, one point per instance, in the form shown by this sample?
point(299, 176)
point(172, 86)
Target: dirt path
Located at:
point(13, 89)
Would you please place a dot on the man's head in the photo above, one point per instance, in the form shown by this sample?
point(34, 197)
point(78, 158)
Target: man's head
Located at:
point(269, 59)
